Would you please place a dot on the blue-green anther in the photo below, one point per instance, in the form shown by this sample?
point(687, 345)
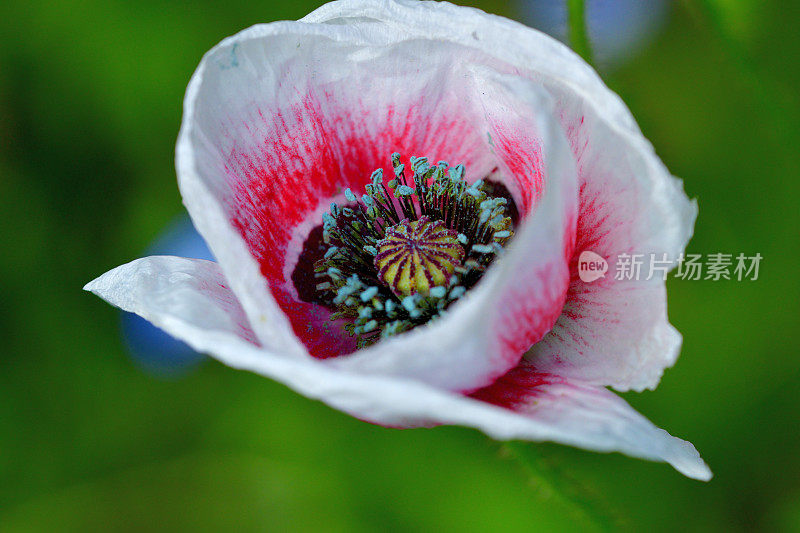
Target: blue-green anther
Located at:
point(456, 173)
point(487, 248)
point(438, 292)
point(419, 165)
point(403, 190)
point(392, 328)
point(496, 221)
point(410, 302)
point(369, 294)
point(457, 292)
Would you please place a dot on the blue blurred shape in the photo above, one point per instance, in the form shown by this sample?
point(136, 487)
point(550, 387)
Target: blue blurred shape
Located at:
point(155, 351)
point(618, 29)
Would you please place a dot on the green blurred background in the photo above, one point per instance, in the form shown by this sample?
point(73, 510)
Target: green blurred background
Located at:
point(90, 105)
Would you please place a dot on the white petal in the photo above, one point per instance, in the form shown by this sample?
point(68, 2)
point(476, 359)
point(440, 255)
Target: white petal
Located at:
point(629, 201)
point(589, 417)
point(282, 116)
point(616, 332)
point(611, 333)
point(179, 295)
point(201, 178)
point(188, 299)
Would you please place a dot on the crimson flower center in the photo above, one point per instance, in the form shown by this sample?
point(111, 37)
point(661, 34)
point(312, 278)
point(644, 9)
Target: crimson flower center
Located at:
point(402, 253)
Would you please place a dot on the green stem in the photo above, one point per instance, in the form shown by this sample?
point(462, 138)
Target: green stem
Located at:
point(587, 504)
point(578, 29)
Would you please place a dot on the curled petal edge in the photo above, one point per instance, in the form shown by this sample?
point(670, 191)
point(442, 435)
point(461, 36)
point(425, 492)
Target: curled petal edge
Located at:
point(186, 298)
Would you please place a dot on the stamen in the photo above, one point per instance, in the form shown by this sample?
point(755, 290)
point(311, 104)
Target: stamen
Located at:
point(402, 253)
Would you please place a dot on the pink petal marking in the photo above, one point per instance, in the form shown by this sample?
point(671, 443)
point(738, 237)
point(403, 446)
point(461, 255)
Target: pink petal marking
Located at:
point(307, 155)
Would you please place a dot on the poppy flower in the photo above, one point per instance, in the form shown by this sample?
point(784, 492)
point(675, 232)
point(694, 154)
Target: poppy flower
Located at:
point(396, 194)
